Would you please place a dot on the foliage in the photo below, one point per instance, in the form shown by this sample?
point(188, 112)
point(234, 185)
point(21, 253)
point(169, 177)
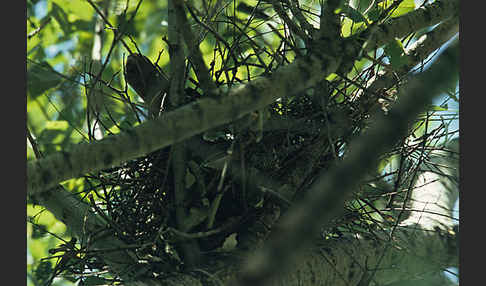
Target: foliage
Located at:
point(236, 176)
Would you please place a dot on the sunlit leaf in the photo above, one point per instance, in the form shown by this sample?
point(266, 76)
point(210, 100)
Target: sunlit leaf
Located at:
point(76, 9)
point(61, 17)
point(349, 27)
point(404, 7)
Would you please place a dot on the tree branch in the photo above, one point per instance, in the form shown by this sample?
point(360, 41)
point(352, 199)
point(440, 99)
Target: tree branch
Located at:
point(182, 123)
point(327, 195)
point(174, 126)
point(420, 18)
point(417, 53)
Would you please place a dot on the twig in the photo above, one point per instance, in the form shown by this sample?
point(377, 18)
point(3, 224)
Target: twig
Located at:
point(277, 6)
point(216, 34)
point(200, 68)
point(32, 142)
point(41, 26)
point(231, 222)
point(294, 7)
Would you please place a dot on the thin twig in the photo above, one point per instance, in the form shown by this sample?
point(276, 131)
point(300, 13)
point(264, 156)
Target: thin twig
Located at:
point(231, 222)
point(41, 26)
point(200, 68)
point(277, 6)
point(216, 34)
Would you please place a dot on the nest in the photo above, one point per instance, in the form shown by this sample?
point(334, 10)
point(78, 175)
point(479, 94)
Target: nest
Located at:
point(137, 197)
point(141, 204)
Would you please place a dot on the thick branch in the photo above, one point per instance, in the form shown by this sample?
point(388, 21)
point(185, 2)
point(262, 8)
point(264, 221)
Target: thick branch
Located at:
point(180, 124)
point(328, 193)
point(417, 53)
point(351, 260)
point(418, 19)
point(174, 126)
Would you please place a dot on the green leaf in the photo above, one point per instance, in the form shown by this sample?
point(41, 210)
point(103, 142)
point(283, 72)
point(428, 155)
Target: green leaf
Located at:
point(394, 51)
point(195, 217)
point(61, 17)
point(404, 7)
point(36, 53)
point(382, 164)
point(350, 28)
point(83, 25)
point(353, 14)
point(38, 231)
point(40, 78)
point(43, 272)
point(57, 125)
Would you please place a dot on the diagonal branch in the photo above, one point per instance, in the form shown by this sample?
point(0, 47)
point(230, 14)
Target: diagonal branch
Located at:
point(186, 121)
point(174, 126)
point(277, 6)
point(417, 53)
point(418, 19)
point(328, 193)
